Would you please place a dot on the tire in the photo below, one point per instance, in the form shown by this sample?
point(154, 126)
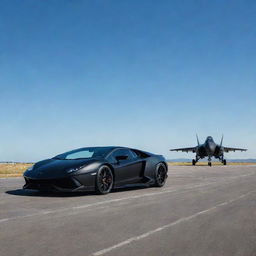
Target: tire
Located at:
point(160, 175)
point(193, 162)
point(209, 164)
point(224, 162)
point(104, 180)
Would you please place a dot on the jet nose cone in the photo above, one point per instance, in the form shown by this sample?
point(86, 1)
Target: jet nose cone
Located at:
point(211, 148)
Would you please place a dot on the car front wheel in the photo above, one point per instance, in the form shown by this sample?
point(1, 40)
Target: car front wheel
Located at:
point(104, 180)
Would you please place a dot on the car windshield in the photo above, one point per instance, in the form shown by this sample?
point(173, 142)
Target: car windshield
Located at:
point(84, 153)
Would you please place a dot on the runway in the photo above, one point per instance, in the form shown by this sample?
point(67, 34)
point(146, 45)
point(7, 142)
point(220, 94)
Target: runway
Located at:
point(200, 211)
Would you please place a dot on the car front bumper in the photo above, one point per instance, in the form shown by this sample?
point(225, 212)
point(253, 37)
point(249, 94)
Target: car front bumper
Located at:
point(67, 184)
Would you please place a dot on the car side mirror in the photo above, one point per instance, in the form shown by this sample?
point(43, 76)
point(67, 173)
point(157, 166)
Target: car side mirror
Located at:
point(120, 158)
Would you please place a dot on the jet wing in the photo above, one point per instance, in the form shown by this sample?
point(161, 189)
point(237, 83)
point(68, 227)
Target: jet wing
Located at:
point(192, 149)
point(227, 149)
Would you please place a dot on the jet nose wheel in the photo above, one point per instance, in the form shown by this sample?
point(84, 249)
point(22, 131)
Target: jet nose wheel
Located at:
point(209, 164)
point(193, 162)
point(224, 162)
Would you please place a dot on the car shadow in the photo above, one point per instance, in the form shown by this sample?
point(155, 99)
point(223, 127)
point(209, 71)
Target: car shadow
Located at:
point(129, 188)
point(36, 193)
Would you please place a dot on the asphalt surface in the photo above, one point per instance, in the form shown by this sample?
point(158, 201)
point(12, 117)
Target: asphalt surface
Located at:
point(200, 211)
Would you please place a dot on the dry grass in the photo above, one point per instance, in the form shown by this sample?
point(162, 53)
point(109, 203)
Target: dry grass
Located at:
point(17, 169)
point(12, 169)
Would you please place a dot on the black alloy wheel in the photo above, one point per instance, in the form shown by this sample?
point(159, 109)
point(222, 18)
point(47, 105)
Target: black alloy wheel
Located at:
point(104, 180)
point(161, 175)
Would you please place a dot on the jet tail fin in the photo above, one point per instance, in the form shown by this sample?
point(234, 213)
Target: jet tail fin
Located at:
point(197, 140)
point(221, 140)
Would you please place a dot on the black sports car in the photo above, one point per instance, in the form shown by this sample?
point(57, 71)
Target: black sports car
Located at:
point(97, 169)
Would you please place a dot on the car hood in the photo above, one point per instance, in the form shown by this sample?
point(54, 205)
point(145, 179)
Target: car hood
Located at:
point(56, 168)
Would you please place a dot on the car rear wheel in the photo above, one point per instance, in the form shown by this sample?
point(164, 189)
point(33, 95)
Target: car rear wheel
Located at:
point(104, 180)
point(161, 175)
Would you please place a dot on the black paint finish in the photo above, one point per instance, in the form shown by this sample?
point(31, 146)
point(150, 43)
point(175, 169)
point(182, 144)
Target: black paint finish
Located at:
point(209, 149)
point(129, 166)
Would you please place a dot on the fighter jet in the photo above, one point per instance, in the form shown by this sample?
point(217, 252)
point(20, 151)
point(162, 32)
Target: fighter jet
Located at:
point(209, 149)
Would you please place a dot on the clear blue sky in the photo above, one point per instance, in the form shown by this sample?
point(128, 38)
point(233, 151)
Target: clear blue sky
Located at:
point(140, 73)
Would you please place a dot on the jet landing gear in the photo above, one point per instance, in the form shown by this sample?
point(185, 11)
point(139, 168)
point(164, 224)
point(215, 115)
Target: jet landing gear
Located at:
point(194, 161)
point(209, 161)
point(224, 161)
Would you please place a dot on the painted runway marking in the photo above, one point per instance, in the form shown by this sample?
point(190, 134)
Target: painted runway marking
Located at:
point(165, 191)
point(181, 220)
point(105, 202)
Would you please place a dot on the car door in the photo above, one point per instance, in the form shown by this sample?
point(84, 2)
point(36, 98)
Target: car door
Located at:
point(128, 170)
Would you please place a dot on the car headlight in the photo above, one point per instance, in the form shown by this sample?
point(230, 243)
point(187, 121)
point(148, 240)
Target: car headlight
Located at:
point(73, 170)
point(30, 168)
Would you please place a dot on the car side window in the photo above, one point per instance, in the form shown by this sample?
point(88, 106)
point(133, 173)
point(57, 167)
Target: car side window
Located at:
point(121, 152)
point(135, 155)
